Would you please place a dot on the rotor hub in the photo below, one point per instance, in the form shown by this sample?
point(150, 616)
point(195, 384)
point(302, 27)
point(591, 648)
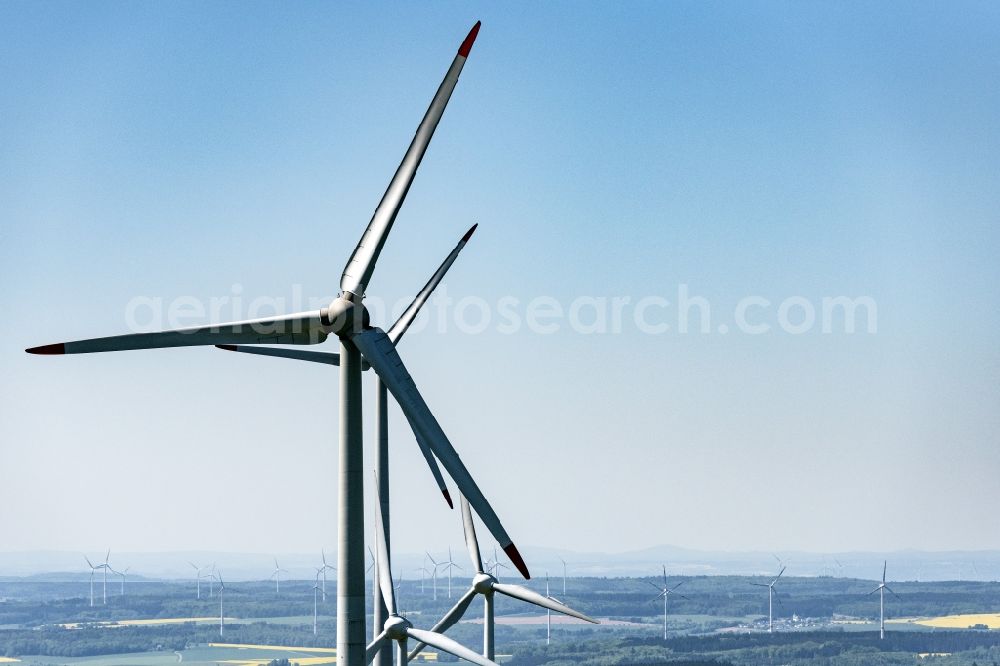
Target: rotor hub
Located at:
point(345, 317)
point(483, 583)
point(395, 627)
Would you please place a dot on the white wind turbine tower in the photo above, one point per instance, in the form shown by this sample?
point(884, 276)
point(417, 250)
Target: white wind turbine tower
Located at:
point(486, 585)
point(315, 604)
point(564, 575)
point(211, 582)
point(396, 627)
point(276, 575)
point(881, 601)
point(664, 594)
point(347, 319)
point(548, 614)
point(770, 598)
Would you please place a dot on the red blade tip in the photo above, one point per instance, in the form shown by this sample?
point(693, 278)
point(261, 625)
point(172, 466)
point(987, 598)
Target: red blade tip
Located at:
point(466, 46)
point(447, 498)
point(515, 557)
point(468, 234)
point(48, 349)
point(227, 347)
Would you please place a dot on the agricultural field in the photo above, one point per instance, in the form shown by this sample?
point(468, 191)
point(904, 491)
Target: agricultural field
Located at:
point(964, 621)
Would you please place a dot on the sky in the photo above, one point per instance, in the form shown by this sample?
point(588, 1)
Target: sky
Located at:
point(157, 158)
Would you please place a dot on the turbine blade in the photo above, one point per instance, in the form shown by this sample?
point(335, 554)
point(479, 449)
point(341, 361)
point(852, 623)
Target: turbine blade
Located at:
point(329, 358)
point(471, 542)
point(303, 328)
point(885, 563)
point(397, 330)
point(449, 619)
point(875, 590)
point(361, 265)
point(382, 551)
point(660, 589)
point(779, 575)
point(425, 450)
point(677, 585)
point(374, 647)
point(893, 593)
point(448, 645)
point(532, 597)
point(378, 350)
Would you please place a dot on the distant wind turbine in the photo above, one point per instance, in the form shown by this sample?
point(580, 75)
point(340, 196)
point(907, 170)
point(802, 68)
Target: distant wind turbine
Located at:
point(397, 628)
point(664, 594)
point(881, 601)
point(548, 614)
point(122, 573)
point(434, 574)
point(93, 570)
point(564, 575)
point(770, 598)
point(315, 605)
point(448, 566)
point(487, 585)
point(277, 576)
point(222, 588)
point(326, 567)
point(198, 576)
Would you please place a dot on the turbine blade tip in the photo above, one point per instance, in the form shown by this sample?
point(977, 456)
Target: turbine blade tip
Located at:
point(466, 46)
point(515, 557)
point(48, 350)
point(468, 234)
point(447, 498)
point(228, 347)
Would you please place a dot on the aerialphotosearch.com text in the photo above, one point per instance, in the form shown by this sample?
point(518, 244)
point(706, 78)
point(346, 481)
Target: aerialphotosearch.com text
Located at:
point(683, 312)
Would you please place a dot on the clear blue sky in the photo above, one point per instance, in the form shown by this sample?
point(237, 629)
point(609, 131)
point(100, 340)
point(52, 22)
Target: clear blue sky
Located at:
point(172, 150)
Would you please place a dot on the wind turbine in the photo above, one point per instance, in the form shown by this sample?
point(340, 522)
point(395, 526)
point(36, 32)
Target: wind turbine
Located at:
point(323, 569)
point(276, 575)
point(199, 576)
point(493, 566)
point(315, 605)
point(770, 597)
point(665, 592)
point(448, 566)
point(434, 574)
point(396, 627)
point(93, 570)
point(382, 416)
point(881, 601)
point(222, 588)
point(122, 573)
point(548, 614)
point(564, 575)
point(211, 582)
point(486, 585)
point(347, 318)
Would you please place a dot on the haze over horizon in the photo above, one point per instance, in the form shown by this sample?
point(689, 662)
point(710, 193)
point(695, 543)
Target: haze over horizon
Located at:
point(191, 153)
